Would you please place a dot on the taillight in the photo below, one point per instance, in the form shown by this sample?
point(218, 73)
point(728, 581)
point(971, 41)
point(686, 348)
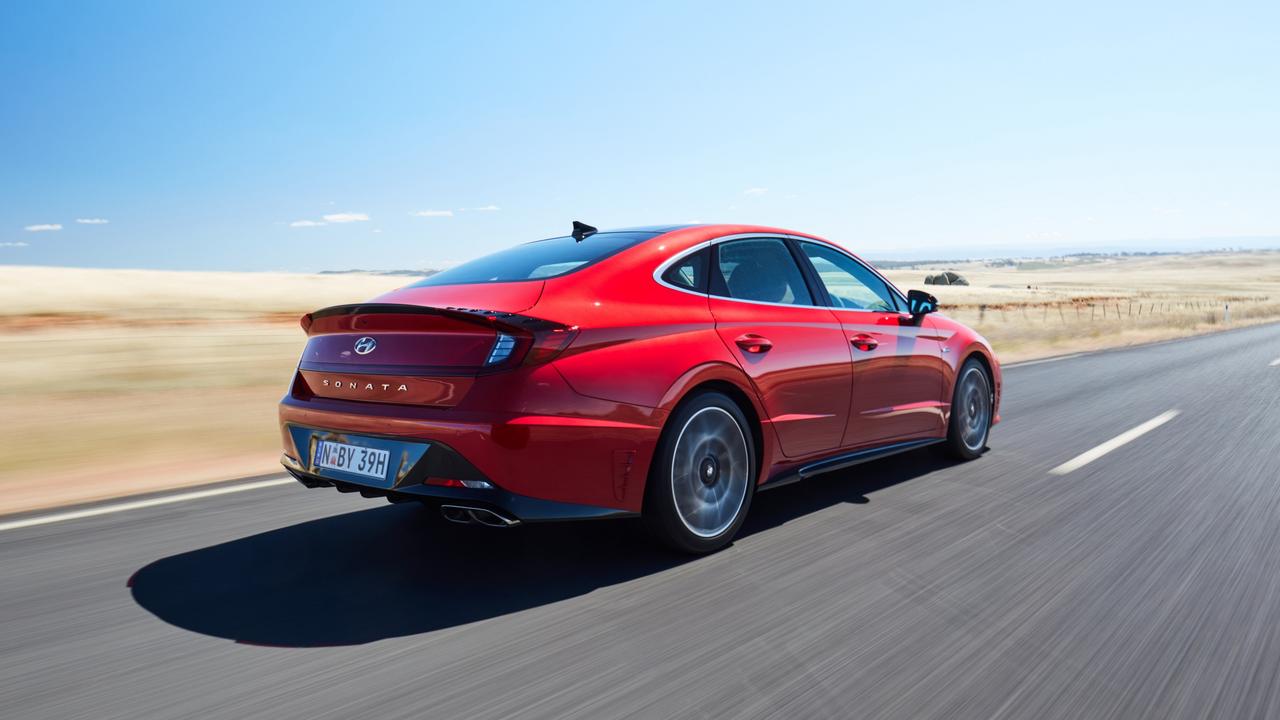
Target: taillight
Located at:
point(531, 347)
point(502, 349)
point(547, 344)
point(517, 339)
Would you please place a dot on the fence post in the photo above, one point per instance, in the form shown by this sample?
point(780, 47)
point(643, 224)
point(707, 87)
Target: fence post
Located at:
point(1226, 313)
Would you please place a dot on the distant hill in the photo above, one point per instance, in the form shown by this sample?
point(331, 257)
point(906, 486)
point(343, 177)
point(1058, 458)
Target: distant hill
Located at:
point(912, 264)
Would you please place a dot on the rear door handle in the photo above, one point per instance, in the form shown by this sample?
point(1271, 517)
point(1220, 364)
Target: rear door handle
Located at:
point(754, 344)
point(864, 342)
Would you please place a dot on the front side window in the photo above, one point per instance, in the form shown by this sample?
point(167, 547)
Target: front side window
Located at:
point(760, 270)
point(538, 260)
point(849, 283)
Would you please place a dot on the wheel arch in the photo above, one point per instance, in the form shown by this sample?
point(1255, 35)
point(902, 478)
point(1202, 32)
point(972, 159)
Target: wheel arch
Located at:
point(982, 355)
point(731, 382)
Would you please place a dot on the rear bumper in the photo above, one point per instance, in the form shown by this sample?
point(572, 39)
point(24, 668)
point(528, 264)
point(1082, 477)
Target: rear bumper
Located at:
point(542, 467)
point(515, 508)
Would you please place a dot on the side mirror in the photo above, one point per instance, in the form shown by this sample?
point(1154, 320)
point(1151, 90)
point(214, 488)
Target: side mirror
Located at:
point(920, 302)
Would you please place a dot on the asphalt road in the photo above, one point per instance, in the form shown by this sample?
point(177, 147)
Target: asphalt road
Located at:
point(1142, 584)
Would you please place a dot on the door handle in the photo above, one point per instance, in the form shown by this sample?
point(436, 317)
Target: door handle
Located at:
point(864, 342)
point(754, 344)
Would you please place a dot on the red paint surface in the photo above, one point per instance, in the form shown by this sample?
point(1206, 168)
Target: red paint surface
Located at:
point(578, 417)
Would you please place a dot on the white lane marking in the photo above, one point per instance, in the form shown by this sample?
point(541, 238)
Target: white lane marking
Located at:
point(1274, 363)
point(1123, 438)
point(139, 504)
point(1044, 360)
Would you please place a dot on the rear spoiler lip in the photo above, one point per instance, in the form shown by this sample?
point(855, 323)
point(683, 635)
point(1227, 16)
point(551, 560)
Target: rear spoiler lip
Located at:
point(490, 318)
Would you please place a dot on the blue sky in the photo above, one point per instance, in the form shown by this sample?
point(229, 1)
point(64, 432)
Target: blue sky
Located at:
point(221, 135)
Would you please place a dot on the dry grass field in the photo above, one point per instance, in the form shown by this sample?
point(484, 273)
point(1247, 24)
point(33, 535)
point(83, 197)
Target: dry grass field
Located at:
point(1039, 308)
point(116, 382)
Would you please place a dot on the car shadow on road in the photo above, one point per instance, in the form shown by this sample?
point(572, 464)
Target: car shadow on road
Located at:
point(397, 570)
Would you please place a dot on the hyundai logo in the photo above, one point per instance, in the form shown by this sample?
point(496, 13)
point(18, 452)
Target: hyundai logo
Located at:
point(365, 345)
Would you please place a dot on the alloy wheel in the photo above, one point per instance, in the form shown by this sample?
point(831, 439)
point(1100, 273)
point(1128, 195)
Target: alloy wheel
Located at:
point(710, 471)
point(974, 408)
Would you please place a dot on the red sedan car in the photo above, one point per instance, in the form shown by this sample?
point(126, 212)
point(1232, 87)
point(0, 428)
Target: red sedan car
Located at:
point(666, 372)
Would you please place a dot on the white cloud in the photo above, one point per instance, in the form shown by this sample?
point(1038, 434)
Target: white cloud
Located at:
point(755, 192)
point(43, 228)
point(486, 208)
point(13, 244)
point(92, 221)
point(377, 230)
point(346, 217)
point(432, 213)
point(306, 223)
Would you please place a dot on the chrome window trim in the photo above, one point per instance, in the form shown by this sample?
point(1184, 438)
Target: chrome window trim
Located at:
point(784, 237)
point(665, 265)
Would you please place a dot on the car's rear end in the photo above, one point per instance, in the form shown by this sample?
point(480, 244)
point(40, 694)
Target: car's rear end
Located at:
point(445, 393)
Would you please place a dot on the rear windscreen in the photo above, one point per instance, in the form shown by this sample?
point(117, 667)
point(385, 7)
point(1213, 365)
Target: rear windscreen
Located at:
point(538, 260)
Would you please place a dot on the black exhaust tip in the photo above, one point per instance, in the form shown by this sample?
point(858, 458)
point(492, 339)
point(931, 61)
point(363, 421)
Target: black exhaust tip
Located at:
point(480, 516)
point(456, 514)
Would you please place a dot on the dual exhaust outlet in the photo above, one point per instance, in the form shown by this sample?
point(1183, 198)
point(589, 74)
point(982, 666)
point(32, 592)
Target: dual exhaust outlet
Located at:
point(464, 515)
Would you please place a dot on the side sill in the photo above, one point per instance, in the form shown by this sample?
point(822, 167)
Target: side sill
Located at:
point(844, 460)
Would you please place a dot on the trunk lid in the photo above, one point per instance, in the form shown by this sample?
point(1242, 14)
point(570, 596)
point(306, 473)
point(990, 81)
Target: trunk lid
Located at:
point(420, 346)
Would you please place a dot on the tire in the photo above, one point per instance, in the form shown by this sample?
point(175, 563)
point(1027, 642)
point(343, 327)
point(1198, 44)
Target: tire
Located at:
point(703, 475)
point(971, 412)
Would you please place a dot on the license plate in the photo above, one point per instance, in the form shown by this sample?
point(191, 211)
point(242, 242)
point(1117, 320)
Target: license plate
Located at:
point(369, 462)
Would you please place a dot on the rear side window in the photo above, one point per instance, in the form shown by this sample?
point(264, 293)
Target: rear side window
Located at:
point(760, 270)
point(538, 260)
point(689, 272)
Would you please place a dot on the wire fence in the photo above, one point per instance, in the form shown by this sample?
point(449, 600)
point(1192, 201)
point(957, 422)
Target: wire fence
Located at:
point(1137, 310)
